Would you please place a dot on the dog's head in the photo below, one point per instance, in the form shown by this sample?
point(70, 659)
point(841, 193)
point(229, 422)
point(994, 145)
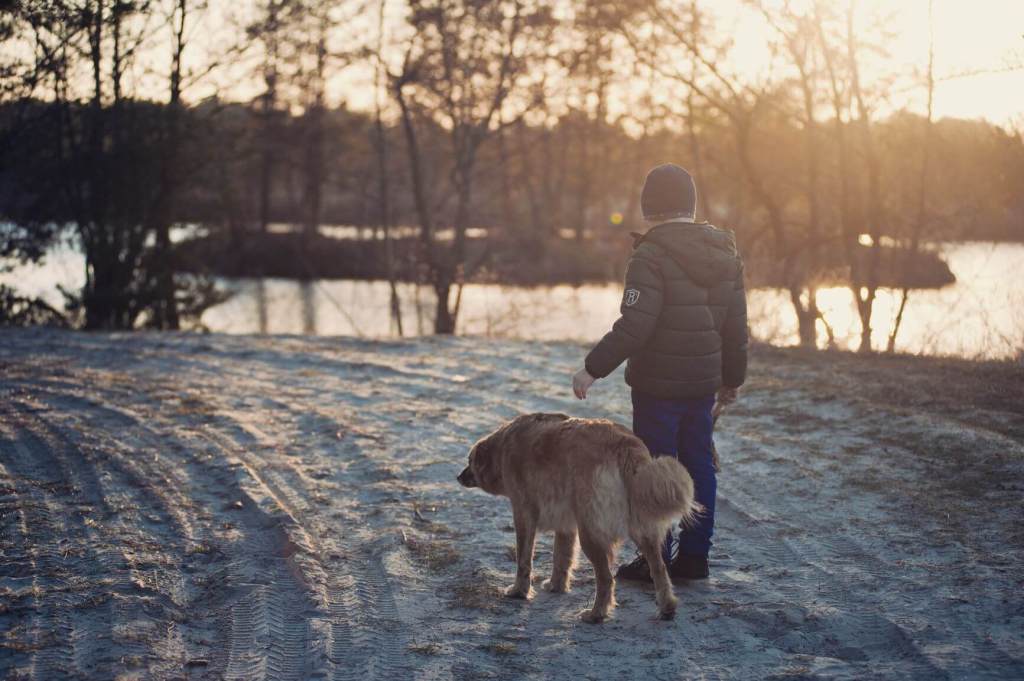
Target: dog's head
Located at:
point(484, 470)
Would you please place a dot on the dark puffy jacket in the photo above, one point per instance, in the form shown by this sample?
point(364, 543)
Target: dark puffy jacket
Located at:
point(684, 315)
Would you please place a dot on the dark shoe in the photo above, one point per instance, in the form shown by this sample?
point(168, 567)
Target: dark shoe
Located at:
point(637, 571)
point(688, 567)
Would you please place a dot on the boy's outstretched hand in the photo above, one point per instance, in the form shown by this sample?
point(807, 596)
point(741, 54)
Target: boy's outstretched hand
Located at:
point(581, 383)
point(723, 399)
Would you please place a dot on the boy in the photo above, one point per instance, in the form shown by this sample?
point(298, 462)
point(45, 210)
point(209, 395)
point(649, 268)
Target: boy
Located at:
point(683, 331)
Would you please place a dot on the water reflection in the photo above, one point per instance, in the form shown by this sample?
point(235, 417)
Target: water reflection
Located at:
point(982, 315)
point(308, 308)
point(261, 306)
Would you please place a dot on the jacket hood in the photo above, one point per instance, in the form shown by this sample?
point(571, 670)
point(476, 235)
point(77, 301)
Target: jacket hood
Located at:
point(707, 254)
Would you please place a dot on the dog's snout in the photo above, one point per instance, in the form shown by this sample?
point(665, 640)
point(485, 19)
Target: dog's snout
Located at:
point(466, 478)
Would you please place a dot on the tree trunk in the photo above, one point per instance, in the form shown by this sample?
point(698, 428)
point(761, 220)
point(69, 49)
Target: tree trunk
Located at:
point(166, 307)
point(167, 304)
point(314, 170)
point(875, 212)
point(865, 337)
point(269, 104)
point(891, 347)
point(97, 294)
point(266, 179)
point(315, 133)
point(444, 320)
point(383, 186)
point(806, 317)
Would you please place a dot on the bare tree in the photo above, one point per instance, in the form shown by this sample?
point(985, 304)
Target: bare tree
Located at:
point(841, 51)
point(269, 30)
point(113, 237)
point(110, 159)
point(383, 184)
point(313, 117)
point(798, 37)
point(917, 228)
point(464, 62)
point(165, 308)
point(42, 42)
point(866, 282)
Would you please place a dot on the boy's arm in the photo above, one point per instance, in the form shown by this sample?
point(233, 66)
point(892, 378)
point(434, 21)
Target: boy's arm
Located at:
point(734, 337)
point(641, 306)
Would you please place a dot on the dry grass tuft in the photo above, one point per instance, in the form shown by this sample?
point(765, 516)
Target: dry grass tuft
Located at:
point(435, 555)
point(500, 648)
point(199, 549)
point(477, 590)
point(428, 649)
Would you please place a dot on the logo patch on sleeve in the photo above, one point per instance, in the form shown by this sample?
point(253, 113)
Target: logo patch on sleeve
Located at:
point(632, 295)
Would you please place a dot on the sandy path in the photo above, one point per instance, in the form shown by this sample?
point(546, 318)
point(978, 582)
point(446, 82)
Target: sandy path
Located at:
point(176, 506)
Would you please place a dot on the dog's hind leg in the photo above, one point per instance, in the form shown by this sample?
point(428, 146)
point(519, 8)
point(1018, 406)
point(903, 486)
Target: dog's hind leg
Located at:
point(601, 555)
point(562, 563)
point(650, 547)
point(526, 535)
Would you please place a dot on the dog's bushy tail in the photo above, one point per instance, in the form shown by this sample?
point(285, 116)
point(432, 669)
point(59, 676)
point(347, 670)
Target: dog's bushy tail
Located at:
point(658, 489)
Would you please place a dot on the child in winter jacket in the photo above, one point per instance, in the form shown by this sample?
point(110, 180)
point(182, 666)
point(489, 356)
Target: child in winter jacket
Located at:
point(683, 336)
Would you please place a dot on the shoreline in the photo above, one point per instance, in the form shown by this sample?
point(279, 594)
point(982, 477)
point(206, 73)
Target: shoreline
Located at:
point(550, 261)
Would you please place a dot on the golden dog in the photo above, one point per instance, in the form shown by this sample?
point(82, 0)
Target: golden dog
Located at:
point(584, 477)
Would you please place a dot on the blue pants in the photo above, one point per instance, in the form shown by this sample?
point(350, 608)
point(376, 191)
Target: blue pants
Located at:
point(682, 428)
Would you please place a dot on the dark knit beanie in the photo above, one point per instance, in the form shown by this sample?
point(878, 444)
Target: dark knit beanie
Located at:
point(668, 193)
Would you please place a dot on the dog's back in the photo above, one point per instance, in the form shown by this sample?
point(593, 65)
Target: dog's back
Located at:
point(594, 474)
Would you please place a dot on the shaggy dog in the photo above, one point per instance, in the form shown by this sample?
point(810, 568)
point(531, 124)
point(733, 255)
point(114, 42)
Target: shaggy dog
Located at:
point(584, 477)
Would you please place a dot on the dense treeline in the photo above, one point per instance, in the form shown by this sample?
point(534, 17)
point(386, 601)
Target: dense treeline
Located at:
point(506, 140)
point(529, 192)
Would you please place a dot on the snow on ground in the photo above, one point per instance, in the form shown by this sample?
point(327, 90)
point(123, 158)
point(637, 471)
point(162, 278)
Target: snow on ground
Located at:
point(207, 507)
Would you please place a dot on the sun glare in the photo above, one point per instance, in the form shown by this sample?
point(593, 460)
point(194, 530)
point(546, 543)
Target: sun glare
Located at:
point(979, 52)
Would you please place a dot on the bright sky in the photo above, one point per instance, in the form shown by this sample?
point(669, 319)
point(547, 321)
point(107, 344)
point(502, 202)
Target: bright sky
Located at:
point(970, 36)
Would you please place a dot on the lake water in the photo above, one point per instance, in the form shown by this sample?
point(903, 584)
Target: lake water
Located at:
point(980, 316)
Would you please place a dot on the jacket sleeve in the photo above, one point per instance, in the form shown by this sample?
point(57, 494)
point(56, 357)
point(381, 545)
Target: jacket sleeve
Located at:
point(640, 309)
point(734, 337)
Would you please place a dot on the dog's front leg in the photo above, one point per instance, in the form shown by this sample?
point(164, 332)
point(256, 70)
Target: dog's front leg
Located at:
point(526, 534)
point(562, 563)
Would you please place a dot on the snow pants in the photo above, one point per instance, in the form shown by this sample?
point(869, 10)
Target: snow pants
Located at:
point(682, 428)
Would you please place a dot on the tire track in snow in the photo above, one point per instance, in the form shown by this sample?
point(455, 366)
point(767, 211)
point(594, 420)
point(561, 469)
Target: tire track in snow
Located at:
point(42, 489)
point(264, 628)
point(290, 629)
point(152, 521)
point(362, 593)
point(281, 628)
point(138, 540)
point(271, 616)
point(105, 430)
point(380, 653)
point(18, 571)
